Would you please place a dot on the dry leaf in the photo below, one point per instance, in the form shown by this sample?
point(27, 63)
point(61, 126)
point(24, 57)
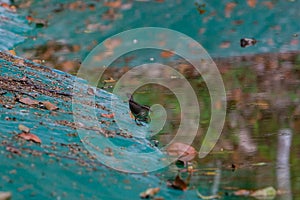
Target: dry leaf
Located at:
point(269, 4)
point(5, 195)
point(30, 137)
point(50, 106)
point(251, 3)
point(242, 192)
point(179, 184)
point(166, 54)
point(12, 52)
point(110, 80)
point(225, 44)
point(23, 128)
point(111, 44)
point(111, 115)
point(13, 150)
point(184, 152)
point(149, 193)
point(113, 4)
point(228, 9)
point(28, 101)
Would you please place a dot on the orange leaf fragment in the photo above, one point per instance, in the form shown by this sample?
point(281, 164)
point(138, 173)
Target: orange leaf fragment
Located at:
point(251, 3)
point(113, 4)
point(166, 54)
point(30, 137)
point(12, 52)
point(50, 106)
point(242, 192)
point(228, 9)
point(111, 115)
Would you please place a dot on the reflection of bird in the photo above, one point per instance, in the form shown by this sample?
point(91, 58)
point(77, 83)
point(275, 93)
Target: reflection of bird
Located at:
point(140, 112)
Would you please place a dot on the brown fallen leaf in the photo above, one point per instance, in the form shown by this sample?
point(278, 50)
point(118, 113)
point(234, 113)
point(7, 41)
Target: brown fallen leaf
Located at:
point(113, 4)
point(111, 115)
point(269, 4)
point(149, 193)
point(38, 22)
point(13, 150)
point(228, 9)
point(184, 152)
point(200, 8)
point(225, 44)
point(242, 192)
point(28, 101)
point(12, 52)
point(11, 8)
point(166, 54)
point(251, 3)
point(49, 106)
point(30, 137)
point(178, 184)
point(23, 128)
point(110, 80)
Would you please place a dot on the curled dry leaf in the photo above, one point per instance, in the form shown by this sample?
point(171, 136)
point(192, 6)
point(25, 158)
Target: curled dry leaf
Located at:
point(149, 193)
point(28, 101)
point(111, 115)
point(23, 128)
point(184, 152)
point(30, 137)
point(50, 106)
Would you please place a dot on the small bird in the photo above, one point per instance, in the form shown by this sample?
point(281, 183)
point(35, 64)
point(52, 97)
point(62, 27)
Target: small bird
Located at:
point(245, 42)
point(140, 112)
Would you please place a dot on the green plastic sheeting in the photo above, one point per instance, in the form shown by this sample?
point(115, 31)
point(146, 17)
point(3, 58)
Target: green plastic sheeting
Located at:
point(61, 167)
point(12, 28)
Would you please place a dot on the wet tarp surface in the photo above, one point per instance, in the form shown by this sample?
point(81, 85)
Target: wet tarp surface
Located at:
point(12, 28)
point(60, 167)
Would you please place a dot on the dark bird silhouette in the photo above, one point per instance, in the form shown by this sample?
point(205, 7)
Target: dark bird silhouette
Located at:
point(245, 42)
point(140, 112)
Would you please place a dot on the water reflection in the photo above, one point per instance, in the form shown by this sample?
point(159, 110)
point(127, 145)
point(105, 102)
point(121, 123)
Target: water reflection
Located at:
point(283, 163)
